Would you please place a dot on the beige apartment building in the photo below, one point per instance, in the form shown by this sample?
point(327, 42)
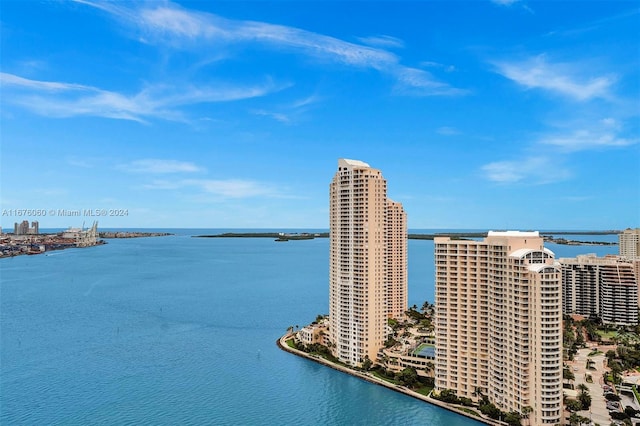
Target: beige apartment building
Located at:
point(605, 287)
point(629, 243)
point(499, 322)
point(629, 248)
point(368, 261)
point(396, 260)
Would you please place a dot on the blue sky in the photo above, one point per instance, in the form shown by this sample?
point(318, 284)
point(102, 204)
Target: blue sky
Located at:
point(480, 114)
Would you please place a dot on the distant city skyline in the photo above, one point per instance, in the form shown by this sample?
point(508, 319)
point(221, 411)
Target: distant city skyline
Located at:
point(484, 114)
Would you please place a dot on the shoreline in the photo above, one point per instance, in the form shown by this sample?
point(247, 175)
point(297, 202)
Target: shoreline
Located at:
point(548, 236)
point(282, 344)
point(132, 234)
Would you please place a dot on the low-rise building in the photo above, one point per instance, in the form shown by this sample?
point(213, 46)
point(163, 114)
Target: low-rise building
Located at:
point(313, 333)
point(420, 356)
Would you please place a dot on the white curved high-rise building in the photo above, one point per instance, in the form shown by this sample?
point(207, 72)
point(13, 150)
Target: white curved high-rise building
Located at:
point(499, 323)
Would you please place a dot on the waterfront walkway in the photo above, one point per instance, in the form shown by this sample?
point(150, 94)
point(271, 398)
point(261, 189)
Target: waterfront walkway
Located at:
point(282, 344)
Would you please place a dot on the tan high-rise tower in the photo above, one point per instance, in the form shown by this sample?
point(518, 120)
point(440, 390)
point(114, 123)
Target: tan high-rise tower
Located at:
point(368, 261)
point(499, 322)
point(629, 243)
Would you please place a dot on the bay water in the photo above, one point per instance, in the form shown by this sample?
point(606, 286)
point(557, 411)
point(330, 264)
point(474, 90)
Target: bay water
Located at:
point(182, 330)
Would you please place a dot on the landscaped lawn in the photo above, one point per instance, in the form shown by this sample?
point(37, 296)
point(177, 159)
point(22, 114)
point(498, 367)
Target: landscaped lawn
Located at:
point(386, 379)
point(424, 390)
point(470, 411)
point(608, 335)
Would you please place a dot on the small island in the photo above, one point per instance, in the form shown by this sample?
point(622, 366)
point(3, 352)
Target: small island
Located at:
point(564, 241)
point(277, 236)
point(548, 236)
point(132, 234)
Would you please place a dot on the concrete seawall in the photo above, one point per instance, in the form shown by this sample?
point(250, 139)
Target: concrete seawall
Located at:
point(282, 344)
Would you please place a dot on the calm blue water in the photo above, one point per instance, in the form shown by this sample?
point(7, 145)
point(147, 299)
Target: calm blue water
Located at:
point(180, 330)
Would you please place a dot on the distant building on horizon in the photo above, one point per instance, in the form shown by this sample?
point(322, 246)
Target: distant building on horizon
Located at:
point(23, 228)
point(368, 261)
point(499, 323)
point(83, 237)
point(606, 287)
point(629, 243)
point(629, 247)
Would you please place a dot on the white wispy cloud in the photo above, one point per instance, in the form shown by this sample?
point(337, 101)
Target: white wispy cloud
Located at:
point(505, 2)
point(305, 102)
point(447, 131)
point(414, 81)
point(383, 41)
point(559, 145)
point(432, 64)
point(586, 133)
point(596, 24)
point(534, 170)
point(61, 99)
point(7, 79)
point(278, 116)
point(289, 113)
point(160, 166)
point(221, 188)
point(235, 188)
point(567, 79)
point(169, 24)
point(586, 139)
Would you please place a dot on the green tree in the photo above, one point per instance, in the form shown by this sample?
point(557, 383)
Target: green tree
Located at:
point(573, 405)
point(576, 419)
point(488, 409)
point(616, 371)
point(526, 412)
point(567, 374)
point(477, 392)
point(408, 377)
point(367, 364)
point(447, 395)
point(585, 400)
point(513, 418)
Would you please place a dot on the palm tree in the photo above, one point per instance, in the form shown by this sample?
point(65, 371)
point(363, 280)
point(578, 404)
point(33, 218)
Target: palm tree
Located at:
point(477, 392)
point(430, 367)
point(567, 374)
point(526, 412)
point(583, 396)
